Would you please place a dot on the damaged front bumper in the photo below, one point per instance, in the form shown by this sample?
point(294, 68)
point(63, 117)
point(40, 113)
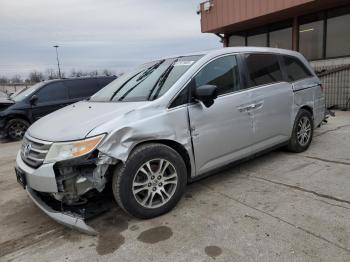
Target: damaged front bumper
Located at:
point(68, 219)
point(48, 191)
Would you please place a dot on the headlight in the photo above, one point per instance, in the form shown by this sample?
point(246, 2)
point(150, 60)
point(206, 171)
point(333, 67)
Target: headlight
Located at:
point(68, 150)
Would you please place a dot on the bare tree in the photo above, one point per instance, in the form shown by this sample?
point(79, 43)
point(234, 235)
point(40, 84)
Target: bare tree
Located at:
point(36, 77)
point(51, 74)
point(107, 72)
point(73, 73)
point(77, 73)
point(93, 73)
point(3, 80)
point(16, 79)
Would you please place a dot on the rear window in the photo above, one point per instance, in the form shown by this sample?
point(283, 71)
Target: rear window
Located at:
point(263, 69)
point(82, 88)
point(295, 69)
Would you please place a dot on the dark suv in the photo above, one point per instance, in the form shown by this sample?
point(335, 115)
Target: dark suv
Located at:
point(18, 112)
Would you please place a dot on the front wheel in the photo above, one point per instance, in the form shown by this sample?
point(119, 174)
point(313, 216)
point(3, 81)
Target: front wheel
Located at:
point(302, 132)
point(16, 128)
point(151, 182)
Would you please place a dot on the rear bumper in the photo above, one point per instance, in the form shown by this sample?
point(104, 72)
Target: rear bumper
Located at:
point(63, 218)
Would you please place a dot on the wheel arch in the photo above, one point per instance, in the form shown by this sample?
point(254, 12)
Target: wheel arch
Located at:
point(17, 115)
point(297, 110)
point(307, 108)
point(179, 148)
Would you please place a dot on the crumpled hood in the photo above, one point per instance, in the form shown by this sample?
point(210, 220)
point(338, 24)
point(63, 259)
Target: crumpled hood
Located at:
point(76, 121)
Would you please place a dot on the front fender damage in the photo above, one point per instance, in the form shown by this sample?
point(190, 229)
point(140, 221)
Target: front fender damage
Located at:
point(67, 219)
point(150, 124)
point(78, 180)
point(82, 192)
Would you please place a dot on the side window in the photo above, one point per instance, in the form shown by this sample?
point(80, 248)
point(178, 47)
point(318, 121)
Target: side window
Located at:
point(52, 92)
point(222, 72)
point(181, 99)
point(82, 88)
point(263, 69)
point(295, 69)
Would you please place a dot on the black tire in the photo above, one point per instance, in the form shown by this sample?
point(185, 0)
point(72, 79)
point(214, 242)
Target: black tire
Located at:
point(124, 175)
point(16, 128)
point(295, 145)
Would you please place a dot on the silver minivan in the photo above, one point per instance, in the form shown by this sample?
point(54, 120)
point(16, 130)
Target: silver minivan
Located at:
point(146, 135)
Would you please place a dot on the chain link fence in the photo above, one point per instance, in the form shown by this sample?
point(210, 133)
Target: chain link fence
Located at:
point(336, 81)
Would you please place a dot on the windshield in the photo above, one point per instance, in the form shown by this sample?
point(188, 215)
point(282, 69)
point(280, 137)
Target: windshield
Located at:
point(146, 83)
point(27, 92)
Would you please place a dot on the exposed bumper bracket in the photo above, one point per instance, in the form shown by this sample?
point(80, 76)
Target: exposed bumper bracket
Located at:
point(62, 218)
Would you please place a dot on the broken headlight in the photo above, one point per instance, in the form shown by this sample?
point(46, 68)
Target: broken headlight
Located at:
point(68, 150)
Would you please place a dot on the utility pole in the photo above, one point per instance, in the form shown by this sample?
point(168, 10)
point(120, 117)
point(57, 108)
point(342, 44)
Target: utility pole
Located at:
point(58, 62)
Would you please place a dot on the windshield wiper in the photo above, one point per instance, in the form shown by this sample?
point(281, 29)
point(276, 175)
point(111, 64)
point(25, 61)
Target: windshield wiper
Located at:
point(150, 70)
point(121, 87)
point(142, 77)
point(162, 79)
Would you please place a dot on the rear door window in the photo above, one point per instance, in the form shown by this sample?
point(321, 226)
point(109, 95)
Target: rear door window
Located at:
point(295, 69)
point(56, 91)
point(82, 88)
point(263, 69)
point(222, 72)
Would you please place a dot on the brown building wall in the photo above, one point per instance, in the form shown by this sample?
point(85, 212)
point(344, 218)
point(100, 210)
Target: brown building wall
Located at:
point(227, 16)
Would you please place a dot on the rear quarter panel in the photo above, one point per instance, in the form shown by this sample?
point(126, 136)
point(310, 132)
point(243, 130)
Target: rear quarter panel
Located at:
point(308, 92)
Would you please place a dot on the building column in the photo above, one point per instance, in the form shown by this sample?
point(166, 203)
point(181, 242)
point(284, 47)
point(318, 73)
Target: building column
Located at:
point(225, 41)
point(295, 34)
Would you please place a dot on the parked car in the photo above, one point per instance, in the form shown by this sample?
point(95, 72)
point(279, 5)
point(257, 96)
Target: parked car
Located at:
point(17, 112)
point(165, 124)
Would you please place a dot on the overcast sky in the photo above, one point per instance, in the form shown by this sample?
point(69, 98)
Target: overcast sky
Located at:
point(96, 34)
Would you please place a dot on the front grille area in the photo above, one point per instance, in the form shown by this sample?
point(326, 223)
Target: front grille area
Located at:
point(33, 151)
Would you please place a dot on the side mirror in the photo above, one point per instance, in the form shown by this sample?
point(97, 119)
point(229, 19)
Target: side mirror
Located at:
point(33, 100)
point(206, 94)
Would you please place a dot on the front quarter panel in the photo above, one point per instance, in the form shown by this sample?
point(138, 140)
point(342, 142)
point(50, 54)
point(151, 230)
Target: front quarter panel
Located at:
point(151, 124)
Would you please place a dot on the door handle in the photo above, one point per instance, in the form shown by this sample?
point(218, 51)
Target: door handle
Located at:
point(250, 107)
point(258, 105)
point(245, 108)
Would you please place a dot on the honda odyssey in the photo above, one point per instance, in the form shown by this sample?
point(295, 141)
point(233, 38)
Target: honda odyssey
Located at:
point(149, 133)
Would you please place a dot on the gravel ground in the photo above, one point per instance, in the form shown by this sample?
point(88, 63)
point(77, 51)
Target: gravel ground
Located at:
point(278, 207)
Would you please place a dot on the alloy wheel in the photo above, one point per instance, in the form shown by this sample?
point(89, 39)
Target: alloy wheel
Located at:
point(155, 183)
point(17, 130)
point(304, 131)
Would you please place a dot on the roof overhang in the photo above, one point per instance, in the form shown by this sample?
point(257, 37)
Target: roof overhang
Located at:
point(228, 16)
